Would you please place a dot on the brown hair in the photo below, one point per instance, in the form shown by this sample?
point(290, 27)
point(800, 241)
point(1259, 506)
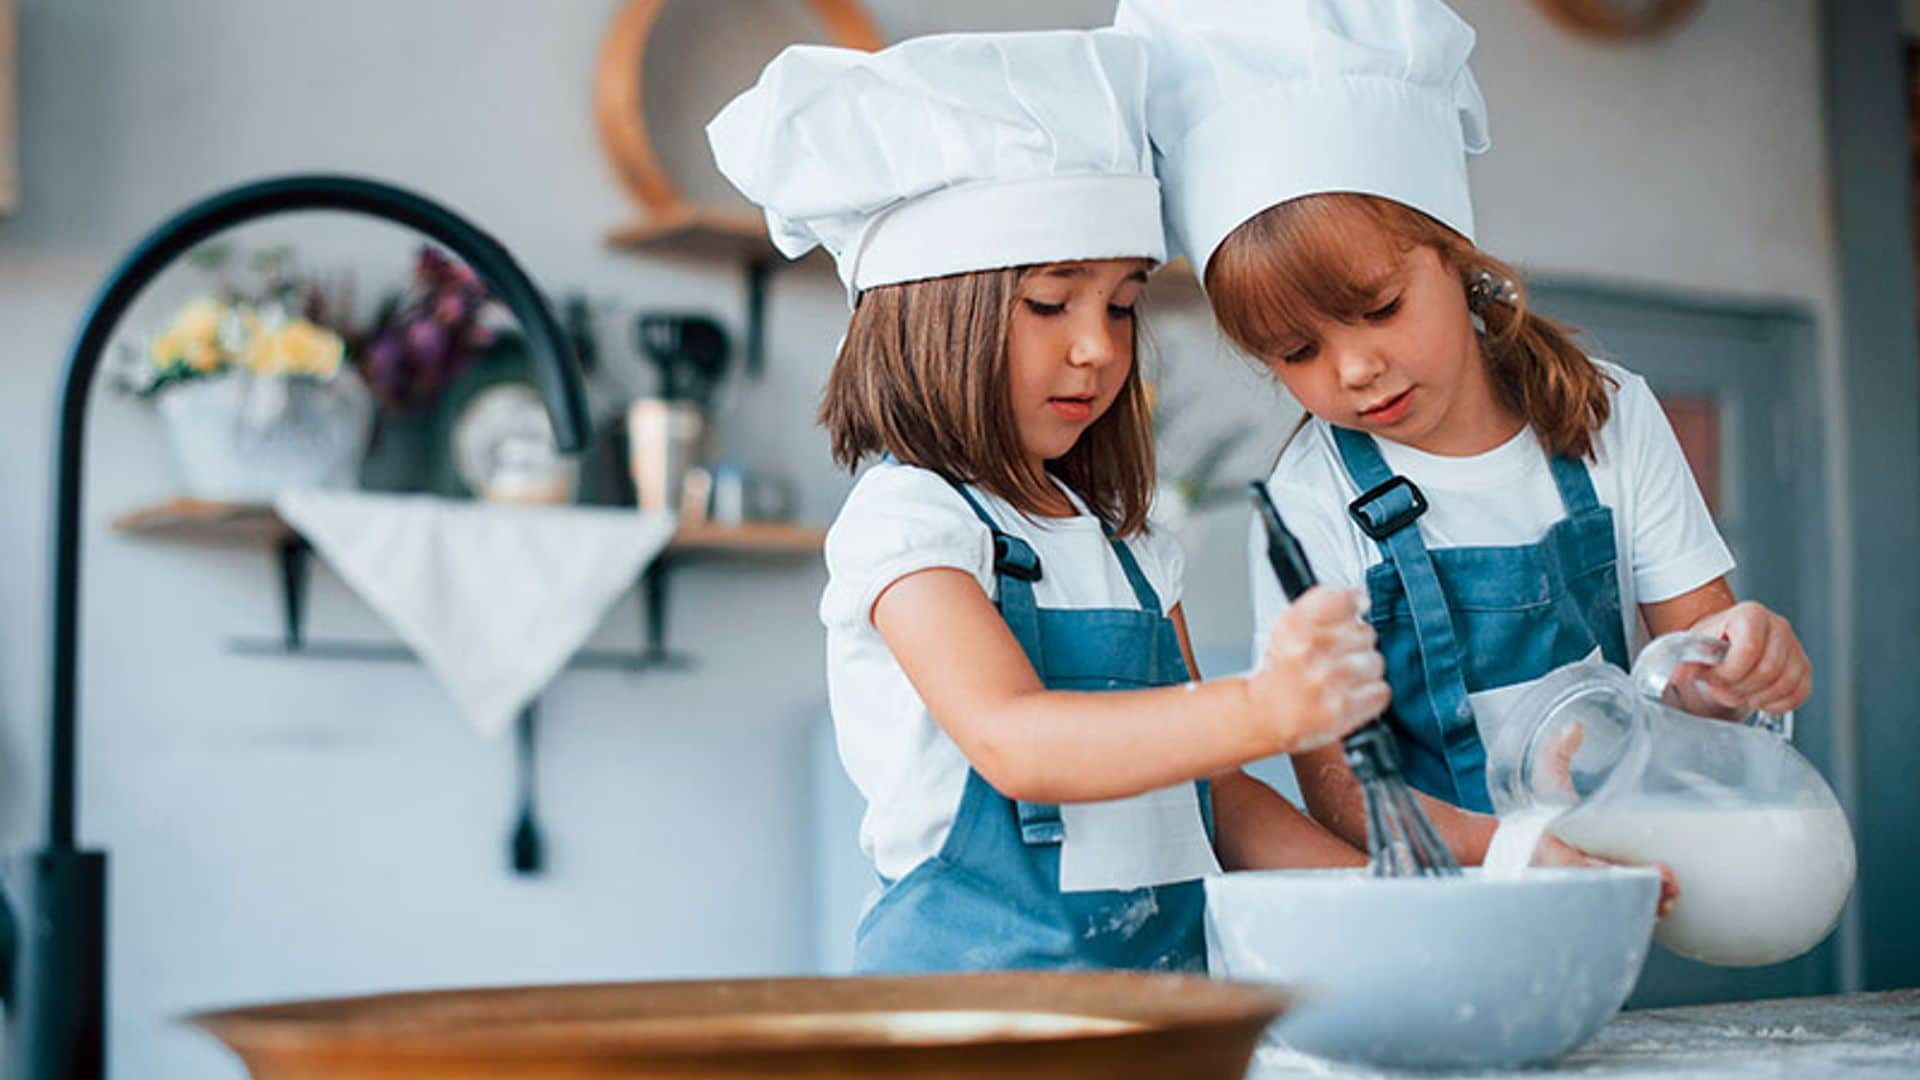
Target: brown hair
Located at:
point(1291, 265)
point(922, 375)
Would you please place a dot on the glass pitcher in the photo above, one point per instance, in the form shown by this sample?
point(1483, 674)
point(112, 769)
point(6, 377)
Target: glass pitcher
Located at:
point(1756, 840)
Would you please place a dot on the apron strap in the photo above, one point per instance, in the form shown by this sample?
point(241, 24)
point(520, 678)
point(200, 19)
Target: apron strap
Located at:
point(1388, 513)
point(1016, 566)
point(1142, 588)
point(1576, 486)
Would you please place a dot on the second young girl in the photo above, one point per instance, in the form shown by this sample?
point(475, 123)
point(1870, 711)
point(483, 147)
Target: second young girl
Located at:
point(1008, 664)
point(1509, 504)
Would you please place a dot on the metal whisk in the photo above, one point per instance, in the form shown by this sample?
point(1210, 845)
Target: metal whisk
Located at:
point(1401, 841)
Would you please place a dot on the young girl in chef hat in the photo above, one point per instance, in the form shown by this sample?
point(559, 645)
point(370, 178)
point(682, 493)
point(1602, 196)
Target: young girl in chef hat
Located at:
point(1509, 504)
point(1008, 664)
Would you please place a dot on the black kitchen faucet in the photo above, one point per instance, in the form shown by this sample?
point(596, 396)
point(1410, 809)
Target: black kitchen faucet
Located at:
point(53, 918)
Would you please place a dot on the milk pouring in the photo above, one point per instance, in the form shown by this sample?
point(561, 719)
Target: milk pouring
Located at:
point(1757, 843)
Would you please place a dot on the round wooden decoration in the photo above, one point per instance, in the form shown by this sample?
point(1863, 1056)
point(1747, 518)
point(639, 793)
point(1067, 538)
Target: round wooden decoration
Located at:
point(620, 108)
point(1619, 20)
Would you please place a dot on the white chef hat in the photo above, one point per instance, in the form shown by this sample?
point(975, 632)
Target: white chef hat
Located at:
point(950, 153)
point(1255, 102)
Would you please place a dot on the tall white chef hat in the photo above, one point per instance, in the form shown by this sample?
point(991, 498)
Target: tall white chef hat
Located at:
point(1255, 102)
point(950, 153)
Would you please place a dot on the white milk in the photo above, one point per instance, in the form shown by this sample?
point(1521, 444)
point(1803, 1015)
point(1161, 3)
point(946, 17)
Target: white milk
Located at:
point(1511, 849)
point(1758, 885)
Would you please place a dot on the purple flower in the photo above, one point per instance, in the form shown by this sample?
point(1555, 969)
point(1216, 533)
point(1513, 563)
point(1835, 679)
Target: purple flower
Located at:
point(426, 333)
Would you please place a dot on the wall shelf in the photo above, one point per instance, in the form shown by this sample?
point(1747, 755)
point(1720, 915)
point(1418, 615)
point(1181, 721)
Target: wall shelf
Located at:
point(199, 520)
point(700, 231)
point(203, 521)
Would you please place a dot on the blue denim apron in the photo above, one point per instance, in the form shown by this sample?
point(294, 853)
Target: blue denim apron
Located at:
point(990, 899)
point(1467, 619)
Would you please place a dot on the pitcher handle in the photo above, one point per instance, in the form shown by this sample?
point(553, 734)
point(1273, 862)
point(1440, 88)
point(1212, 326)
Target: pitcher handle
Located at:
point(1653, 673)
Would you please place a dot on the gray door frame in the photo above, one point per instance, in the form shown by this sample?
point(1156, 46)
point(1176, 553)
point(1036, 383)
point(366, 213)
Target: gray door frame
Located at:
point(1867, 156)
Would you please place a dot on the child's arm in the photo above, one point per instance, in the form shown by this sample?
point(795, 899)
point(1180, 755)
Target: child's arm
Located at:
point(1676, 553)
point(1333, 797)
point(1255, 827)
point(1766, 667)
point(1320, 678)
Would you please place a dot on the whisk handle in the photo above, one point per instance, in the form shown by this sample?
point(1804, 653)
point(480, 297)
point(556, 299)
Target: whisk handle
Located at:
point(1369, 751)
point(1284, 553)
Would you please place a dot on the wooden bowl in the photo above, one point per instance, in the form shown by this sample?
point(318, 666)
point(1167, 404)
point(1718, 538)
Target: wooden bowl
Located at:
point(1003, 1026)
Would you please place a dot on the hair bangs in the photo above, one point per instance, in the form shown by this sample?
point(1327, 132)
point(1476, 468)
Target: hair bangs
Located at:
point(1301, 264)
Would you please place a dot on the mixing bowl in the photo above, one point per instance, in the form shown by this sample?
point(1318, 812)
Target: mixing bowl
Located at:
point(1431, 973)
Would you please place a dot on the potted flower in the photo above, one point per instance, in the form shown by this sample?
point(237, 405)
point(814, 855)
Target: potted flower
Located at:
point(254, 387)
point(422, 337)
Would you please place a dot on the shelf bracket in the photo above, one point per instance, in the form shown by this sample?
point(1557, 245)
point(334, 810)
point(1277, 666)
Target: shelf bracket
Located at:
point(526, 851)
point(293, 552)
point(757, 272)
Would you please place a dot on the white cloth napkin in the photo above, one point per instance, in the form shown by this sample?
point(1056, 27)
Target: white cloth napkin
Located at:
point(493, 598)
point(1151, 839)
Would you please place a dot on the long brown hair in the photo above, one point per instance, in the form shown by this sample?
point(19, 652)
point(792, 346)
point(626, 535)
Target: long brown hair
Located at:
point(922, 375)
point(1292, 265)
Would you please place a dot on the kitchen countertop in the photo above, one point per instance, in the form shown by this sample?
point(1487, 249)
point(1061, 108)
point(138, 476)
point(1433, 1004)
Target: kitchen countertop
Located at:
point(1849, 1037)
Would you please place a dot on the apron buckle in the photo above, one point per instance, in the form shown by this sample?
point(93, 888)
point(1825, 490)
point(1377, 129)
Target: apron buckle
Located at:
point(1015, 559)
point(1388, 508)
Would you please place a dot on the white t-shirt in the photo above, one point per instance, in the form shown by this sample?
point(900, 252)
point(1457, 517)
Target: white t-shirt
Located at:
point(1666, 540)
point(899, 520)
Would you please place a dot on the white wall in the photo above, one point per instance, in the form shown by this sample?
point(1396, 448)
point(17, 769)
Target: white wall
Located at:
point(282, 828)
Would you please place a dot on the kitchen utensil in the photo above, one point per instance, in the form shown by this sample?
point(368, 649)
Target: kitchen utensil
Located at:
point(1457, 972)
point(770, 496)
point(664, 439)
point(502, 443)
point(696, 495)
point(728, 503)
point(1400, 840)
point(1009, 1026)
point(1756, 840)
point(690, 353)
point(530, 471)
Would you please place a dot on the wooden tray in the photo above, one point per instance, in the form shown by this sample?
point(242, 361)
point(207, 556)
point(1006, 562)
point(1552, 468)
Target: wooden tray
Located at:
point(1003, 1026)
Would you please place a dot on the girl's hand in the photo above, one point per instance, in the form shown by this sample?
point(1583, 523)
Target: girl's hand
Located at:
point(1765, 666)
point(1554, 851)
point(1320, 676)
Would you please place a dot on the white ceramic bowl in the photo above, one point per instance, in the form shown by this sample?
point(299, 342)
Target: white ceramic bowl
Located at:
point(1436, 972)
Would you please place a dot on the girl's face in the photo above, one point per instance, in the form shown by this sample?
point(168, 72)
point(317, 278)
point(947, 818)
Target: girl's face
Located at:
point(1069, 349)
point(1409, 369)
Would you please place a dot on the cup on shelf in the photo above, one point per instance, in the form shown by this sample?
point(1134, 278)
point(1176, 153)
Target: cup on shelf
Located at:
point(665, 439)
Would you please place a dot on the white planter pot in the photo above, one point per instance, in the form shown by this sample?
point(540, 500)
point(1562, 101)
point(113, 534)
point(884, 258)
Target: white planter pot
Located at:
point(242, 438)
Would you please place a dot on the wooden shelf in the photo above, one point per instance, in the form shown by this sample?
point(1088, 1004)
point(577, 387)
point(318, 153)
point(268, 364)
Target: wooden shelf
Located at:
point(199, 519)
point(698, 230)
point(759, 537)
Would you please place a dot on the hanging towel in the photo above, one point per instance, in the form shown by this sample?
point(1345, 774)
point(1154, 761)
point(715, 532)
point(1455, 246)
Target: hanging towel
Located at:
point(494, 598)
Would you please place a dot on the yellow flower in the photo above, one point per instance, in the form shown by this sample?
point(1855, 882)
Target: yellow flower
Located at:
point(297, 347)
point(194, 337)
point(201, 318)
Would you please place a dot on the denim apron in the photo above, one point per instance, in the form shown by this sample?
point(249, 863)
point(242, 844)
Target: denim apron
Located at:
point(990, 898)
point(1468, 619)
